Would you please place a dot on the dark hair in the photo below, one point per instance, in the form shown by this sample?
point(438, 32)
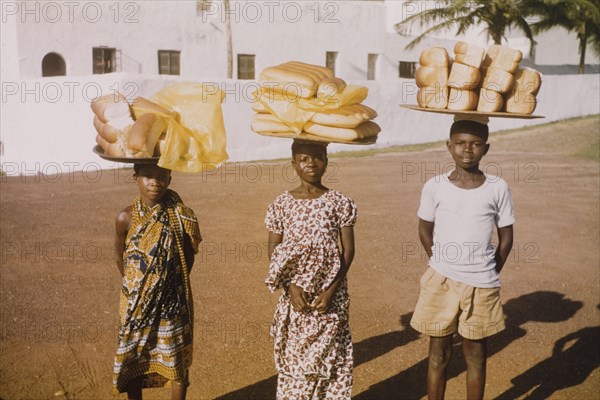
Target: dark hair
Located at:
point(297, 145)
point(472, 127)
point(138, 166)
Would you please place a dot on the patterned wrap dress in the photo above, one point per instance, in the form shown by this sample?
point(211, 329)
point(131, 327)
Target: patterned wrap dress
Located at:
point(156, 305)
point(313, 352)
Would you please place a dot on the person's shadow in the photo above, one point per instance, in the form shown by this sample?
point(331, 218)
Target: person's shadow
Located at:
point(364, 351)
point(573, 359)
point(542, 306)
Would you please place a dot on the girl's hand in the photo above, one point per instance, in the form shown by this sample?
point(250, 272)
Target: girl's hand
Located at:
point(298, 298)
point(323, 301)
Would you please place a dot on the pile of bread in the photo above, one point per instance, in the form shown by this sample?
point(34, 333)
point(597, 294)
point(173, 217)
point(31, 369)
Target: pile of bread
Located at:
point(485, 81)
point(299, 83)
point(125, 131)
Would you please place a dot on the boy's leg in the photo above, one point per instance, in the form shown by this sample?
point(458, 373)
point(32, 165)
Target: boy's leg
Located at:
point(440, 352)
point(178, 390)
point(475, 353)
point(134, 388)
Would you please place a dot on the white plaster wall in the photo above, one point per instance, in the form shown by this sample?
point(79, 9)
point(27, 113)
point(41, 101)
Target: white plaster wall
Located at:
point(47, 123)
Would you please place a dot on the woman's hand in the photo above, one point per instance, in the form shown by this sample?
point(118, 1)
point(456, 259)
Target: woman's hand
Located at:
point(298, 298)
point(323, 301)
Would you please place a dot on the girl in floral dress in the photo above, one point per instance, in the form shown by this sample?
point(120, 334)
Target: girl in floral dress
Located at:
point(311, 242)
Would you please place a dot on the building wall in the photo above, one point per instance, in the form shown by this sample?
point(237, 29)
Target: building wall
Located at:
point(47, 122)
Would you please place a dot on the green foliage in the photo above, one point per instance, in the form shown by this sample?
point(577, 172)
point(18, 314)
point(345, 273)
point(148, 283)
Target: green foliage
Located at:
point(496, 16)
point(581, 17)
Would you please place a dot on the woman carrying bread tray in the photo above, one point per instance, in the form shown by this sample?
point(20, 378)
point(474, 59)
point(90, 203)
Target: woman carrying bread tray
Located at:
point(312, 342)
point(156, 239)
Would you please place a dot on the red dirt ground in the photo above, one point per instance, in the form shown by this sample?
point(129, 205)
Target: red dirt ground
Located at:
point(59, 285)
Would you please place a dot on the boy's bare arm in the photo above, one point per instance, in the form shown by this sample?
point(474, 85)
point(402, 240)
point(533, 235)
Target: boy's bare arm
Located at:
point(426, 235)
point(505, 243)
point(122, 225)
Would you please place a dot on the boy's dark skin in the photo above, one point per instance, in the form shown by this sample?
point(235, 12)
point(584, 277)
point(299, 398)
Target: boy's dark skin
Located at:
point(153, 182)
point(467, 150)
point(310, 163)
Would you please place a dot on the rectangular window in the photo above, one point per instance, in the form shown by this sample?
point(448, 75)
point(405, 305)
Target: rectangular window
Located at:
point(330, 58)
point(245, 63)
point(104, 60)
point(372, 66)
point(407, 69)
point(168, 62)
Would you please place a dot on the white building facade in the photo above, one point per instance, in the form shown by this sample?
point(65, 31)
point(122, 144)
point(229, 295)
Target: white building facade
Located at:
point(57, 56)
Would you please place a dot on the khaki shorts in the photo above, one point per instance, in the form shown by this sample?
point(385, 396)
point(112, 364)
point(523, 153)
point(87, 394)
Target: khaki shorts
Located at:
point(446, 306)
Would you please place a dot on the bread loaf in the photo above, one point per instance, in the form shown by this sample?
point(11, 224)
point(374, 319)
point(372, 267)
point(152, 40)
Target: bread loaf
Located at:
point(468, 54)
point(268, 123)
point(144, 134)
point(362, 131)
point(111, 107)
point(111, 149)
point(259, 107)
point(463, 76)
point(433, 97)
point(490, 101)
point(431, 76)
point(344, 117)
point(497, 80)
point(326, 71)
point(106, 131)
point(503, 57)
point(329, 87)
point(434, 57)
point(520, 102)
point(462, 100)
point(528, 81)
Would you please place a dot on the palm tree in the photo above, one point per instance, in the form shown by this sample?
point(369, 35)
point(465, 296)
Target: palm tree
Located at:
point(497, 16)
point(579, 16)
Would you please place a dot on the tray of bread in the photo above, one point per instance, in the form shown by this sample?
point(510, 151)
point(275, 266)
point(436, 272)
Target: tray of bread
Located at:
point(136, 160)
point(468, 113)
point(301, 101)
point(315, 138)
point(476, 81)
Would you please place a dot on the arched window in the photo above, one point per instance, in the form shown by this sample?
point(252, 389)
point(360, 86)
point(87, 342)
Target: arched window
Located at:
point(53, 65)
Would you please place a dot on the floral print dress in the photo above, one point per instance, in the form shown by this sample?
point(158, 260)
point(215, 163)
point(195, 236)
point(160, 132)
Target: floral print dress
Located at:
point(313, 352)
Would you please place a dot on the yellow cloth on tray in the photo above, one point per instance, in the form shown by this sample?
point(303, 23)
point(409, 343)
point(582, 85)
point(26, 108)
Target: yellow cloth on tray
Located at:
point(296, 112)
point(195, 138)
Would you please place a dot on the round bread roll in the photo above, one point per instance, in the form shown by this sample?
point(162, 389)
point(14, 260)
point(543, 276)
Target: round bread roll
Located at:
point(462, 100)
point(110, 107)
point(111, 149)
point(144, 134)
point(463, 76)
point(490, 101)
point(497, 80)
point(433, 97)
point(434, 57)
point(431, 76)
